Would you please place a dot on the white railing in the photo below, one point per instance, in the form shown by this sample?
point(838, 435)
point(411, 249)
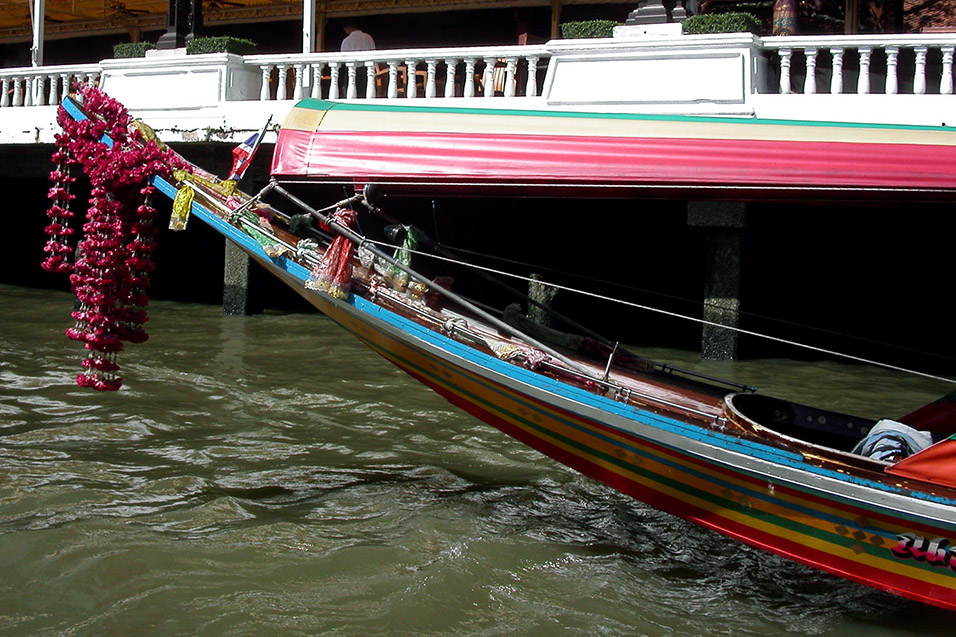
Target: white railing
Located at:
point(409, 73)
point(862, 64)
point(43, 85)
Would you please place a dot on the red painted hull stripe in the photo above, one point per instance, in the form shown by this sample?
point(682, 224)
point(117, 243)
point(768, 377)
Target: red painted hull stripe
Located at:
point(643, 161)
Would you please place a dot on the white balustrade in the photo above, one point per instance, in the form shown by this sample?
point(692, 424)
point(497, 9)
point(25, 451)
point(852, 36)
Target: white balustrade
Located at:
point(411, 73)
point(42, 86)
point(920, 64)
point(894, 63)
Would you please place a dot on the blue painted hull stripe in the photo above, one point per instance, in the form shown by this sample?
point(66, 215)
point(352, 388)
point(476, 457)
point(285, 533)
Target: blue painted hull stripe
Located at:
point(528, 377)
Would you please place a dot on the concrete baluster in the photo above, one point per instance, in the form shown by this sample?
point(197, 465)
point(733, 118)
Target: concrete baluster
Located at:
point(264, 93)
point(919, 74)
point(39, 90)
point(67, 80)
point(370, 93)
point(351, 91)
point(392, 79)
point(786, 56)
point(283, 81)
point(511, 66)
point(411, 79)
point(892, 81)
point(468, 82)
point(946, 81)
point(54, 95)
point(451, 66)
point(810, 82)
point(489, 77)
point(836, 80)
point(4, 92)
point(430, 69)
point(317, 81)
point(298, 90)
point(531, 88)
point(334, 80)
point(28, 91)
point(863, 81)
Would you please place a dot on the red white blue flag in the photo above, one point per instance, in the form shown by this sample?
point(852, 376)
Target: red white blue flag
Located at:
point(243, 153)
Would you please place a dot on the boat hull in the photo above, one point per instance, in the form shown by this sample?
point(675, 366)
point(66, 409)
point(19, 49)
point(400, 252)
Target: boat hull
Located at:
point(764, 496)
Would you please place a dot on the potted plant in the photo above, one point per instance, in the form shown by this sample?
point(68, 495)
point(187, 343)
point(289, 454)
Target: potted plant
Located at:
point(722, 23)
point(588, 29)
point(132, 49)
point(220, 44)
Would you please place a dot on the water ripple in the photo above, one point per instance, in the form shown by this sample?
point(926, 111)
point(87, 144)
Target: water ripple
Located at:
point(267, 475)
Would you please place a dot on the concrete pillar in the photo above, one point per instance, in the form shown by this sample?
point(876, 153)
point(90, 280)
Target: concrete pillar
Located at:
point(236, 282)
point(543, 294)
point(724, 223)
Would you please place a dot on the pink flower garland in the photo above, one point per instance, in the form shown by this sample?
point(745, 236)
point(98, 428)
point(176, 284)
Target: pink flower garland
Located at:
point(111, 275)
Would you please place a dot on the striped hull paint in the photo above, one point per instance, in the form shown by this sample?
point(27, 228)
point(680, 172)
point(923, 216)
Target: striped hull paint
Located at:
point(766, 497)
point(449, 146)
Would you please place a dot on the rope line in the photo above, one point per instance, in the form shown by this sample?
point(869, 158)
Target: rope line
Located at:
point(704, 304)
point(693, 319)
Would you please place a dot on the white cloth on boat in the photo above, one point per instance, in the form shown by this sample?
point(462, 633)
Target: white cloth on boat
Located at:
point(892, 441)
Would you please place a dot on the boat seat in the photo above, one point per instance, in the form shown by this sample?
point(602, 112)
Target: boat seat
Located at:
point(817, 426)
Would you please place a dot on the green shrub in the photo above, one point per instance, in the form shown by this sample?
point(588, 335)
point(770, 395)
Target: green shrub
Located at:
point(588, 29)
point(132, 49)
point(722, 23)
point(222, 44)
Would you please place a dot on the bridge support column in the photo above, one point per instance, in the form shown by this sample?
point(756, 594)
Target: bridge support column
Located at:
point(724, 223)
point(237, 299)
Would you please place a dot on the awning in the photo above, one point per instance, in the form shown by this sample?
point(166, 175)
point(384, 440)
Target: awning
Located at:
point(447, 147)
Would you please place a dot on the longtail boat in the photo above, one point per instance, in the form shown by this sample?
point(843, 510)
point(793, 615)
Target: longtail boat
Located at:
point(872, 502)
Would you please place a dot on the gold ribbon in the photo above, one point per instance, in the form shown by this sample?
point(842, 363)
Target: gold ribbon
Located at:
point(183, 201)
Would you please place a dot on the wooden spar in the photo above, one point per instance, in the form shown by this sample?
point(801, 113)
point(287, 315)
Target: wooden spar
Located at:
point(362, 242)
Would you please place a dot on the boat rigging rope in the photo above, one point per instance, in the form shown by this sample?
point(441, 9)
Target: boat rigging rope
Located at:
point(639, 306)
point(680, 299)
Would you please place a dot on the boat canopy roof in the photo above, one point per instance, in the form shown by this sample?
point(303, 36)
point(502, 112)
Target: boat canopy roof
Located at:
point(728, 157)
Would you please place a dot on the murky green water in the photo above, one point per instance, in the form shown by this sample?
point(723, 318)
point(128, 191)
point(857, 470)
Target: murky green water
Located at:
point(267, 475)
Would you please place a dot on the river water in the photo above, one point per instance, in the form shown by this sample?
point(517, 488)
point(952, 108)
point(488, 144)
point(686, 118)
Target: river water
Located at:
point(269, 476)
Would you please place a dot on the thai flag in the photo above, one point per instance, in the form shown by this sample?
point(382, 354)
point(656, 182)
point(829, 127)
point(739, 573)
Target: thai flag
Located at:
point(243, 153)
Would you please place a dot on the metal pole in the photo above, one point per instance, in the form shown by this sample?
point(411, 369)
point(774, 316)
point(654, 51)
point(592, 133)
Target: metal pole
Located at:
point(37, 15)
point(308, 26)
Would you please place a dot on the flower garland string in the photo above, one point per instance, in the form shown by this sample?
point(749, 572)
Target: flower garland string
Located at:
point(59, 230)
point(110, 277)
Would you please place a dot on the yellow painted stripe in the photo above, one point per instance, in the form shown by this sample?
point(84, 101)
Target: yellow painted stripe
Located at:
point(469, 388)
point(400, 121)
